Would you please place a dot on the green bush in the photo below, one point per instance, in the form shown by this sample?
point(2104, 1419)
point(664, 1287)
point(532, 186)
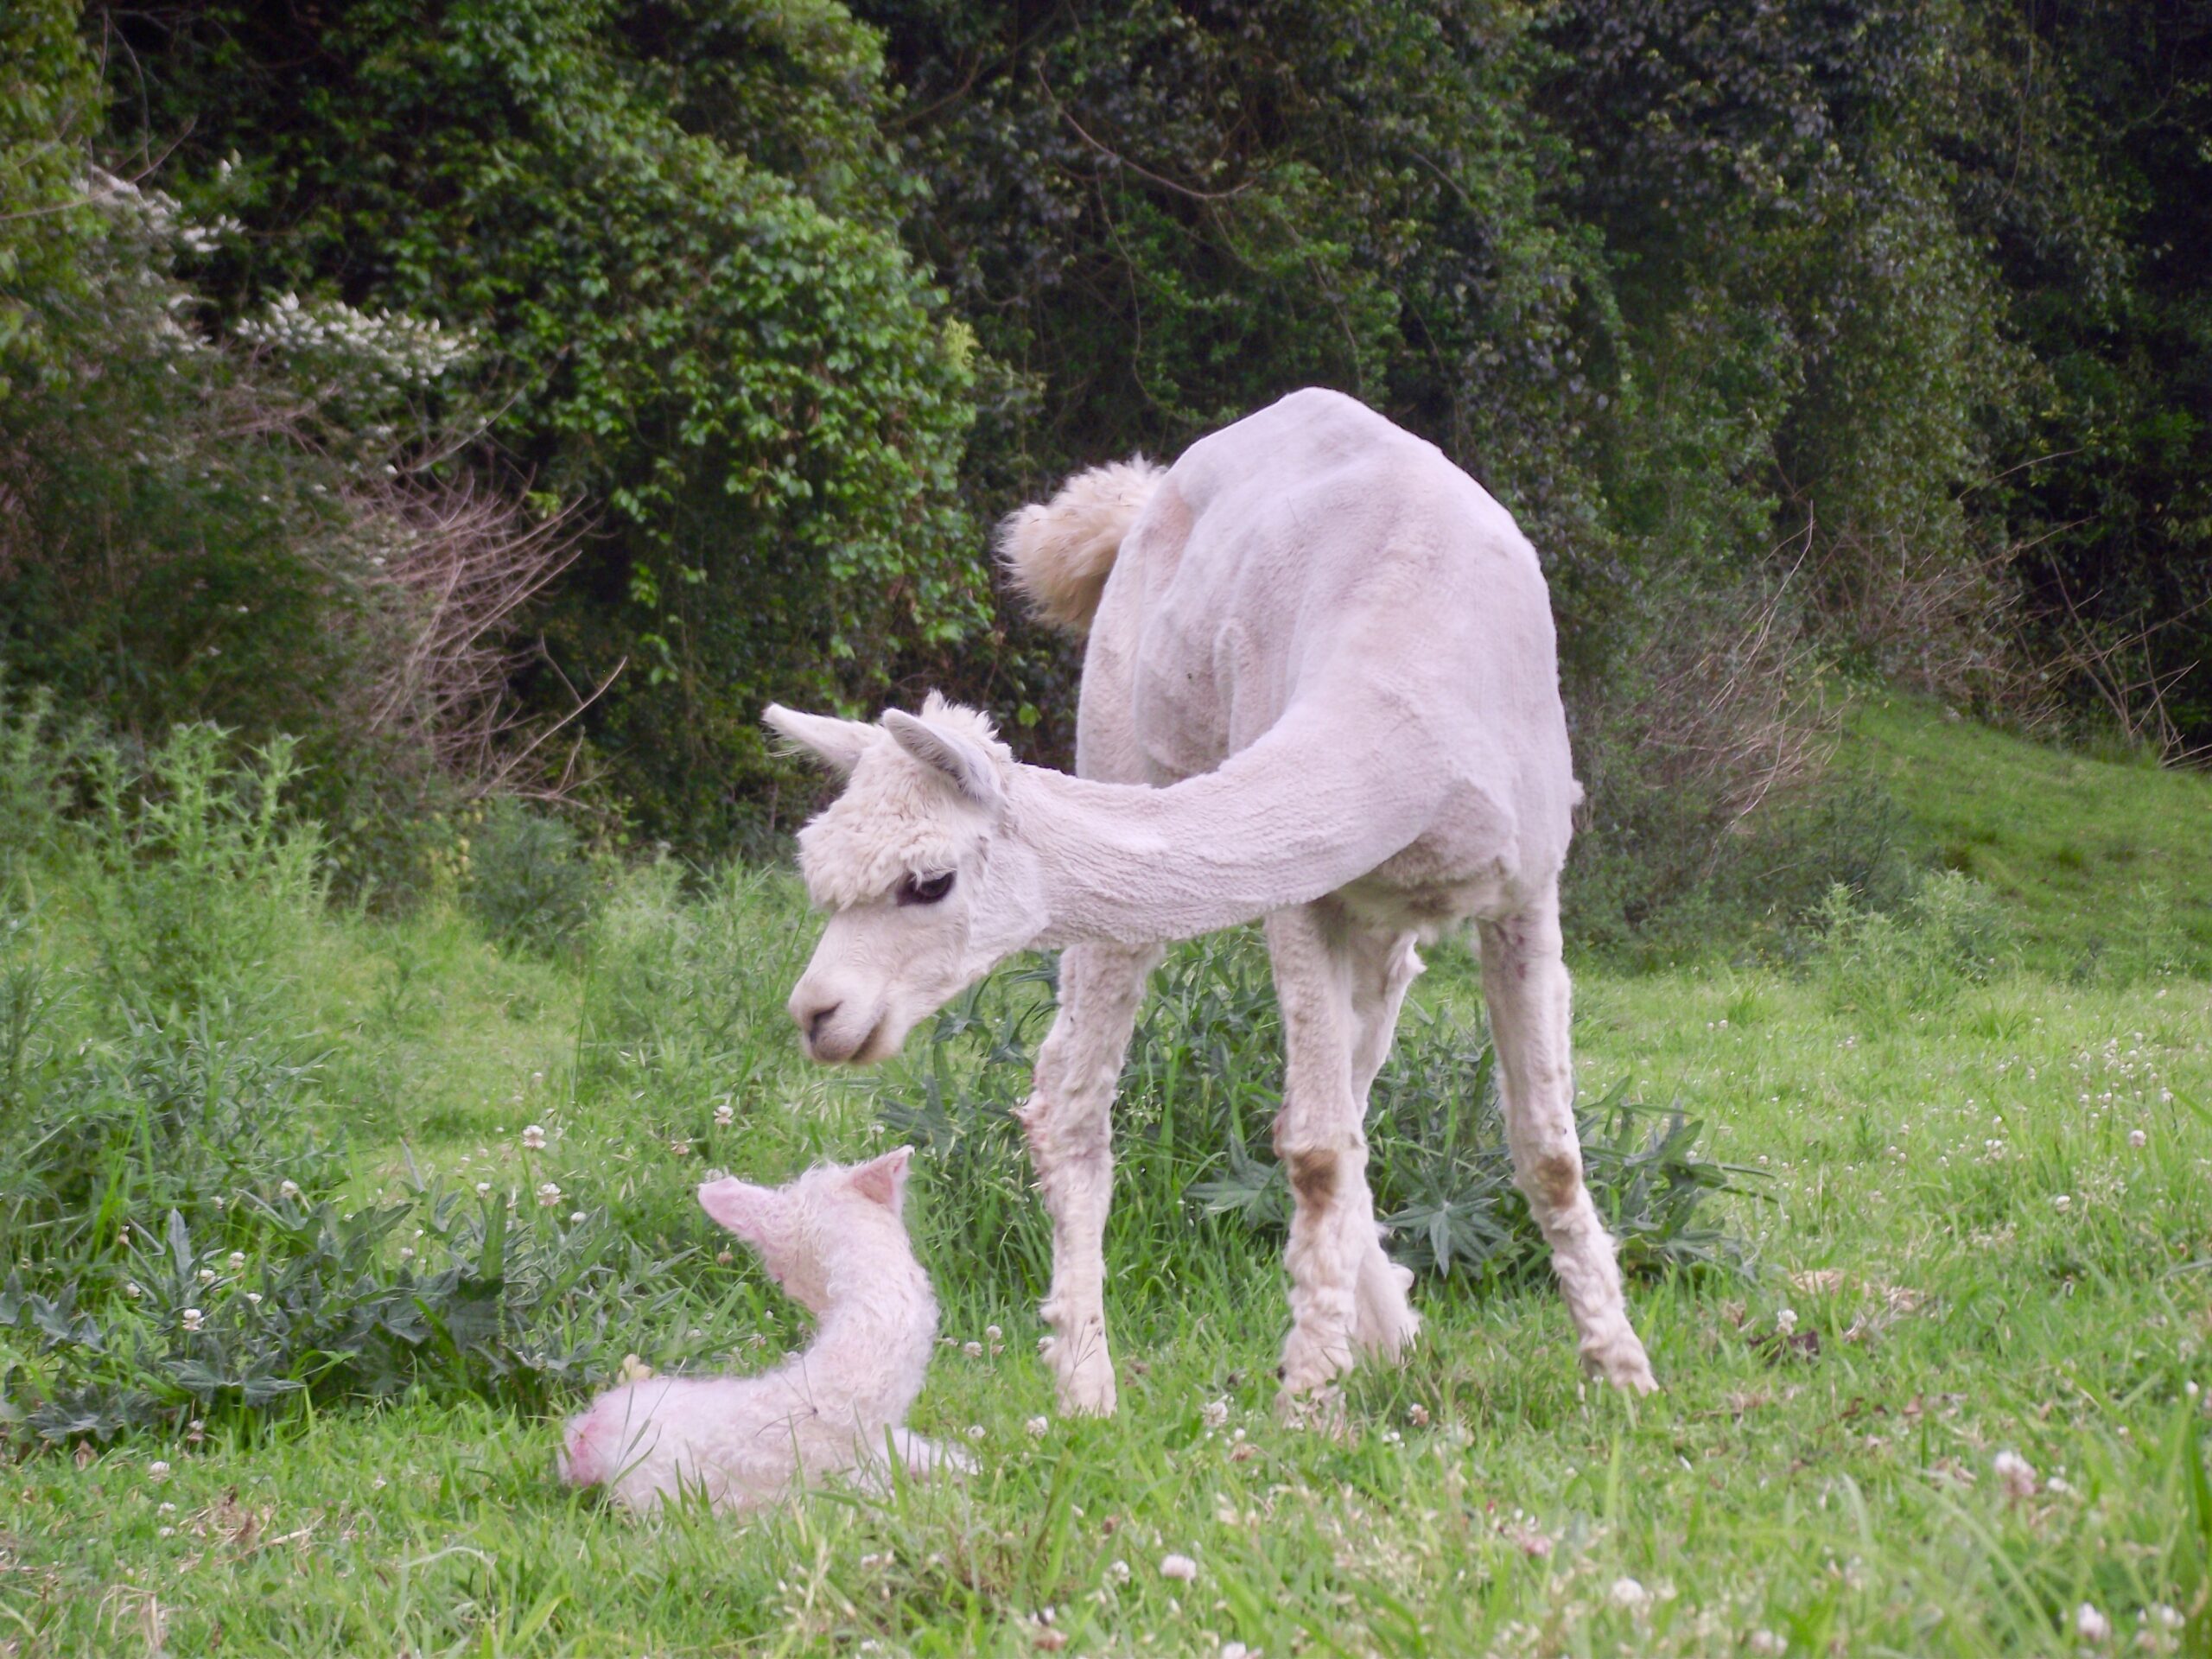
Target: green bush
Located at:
point(203, 880)
point(1950, 933)
point(529, 881)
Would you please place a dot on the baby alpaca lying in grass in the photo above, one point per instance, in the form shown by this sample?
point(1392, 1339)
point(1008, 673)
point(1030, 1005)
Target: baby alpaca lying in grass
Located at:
point(834, 1240)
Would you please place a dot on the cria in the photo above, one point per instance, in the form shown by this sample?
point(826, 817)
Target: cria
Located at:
point(834, 1240)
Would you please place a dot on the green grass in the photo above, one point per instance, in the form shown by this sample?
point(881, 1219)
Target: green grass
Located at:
point(2093, 858)
point(1832, 1485)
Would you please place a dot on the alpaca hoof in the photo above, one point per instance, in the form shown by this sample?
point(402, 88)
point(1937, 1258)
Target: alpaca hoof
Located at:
point(1622, 1363)
point(1385, 1325)
point(1085, 1381)
point(1321, 1410)
point(1310, 1366)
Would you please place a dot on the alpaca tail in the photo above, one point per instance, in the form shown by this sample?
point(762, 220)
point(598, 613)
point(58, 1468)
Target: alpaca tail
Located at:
point(1059, 555)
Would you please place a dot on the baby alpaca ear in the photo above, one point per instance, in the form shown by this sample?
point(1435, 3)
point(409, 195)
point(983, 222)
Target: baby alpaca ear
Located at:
point(966, 763)
point(883, 1180)
point(837, 744)
point(745, 1210)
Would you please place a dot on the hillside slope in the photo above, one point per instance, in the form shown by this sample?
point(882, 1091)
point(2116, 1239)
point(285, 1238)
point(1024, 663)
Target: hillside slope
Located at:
point(2091, 856)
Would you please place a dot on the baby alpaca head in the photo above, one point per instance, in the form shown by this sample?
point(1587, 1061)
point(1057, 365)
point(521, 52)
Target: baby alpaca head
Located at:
point(835, 1216)
point(927, 890)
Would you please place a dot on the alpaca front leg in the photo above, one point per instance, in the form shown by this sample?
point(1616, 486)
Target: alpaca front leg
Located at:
point(1068, 1119)
point(1318, 1139)
point(1525, 987)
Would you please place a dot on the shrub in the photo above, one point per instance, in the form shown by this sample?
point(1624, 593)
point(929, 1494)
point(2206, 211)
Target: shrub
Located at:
point(201, 879)
point(1949, 933)
point(528, 881)
point(181, 1245)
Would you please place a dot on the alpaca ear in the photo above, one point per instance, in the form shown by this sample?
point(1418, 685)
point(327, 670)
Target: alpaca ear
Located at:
point(745, 1209)
point(884, 1180)
point(967, 763)
point(838, 744)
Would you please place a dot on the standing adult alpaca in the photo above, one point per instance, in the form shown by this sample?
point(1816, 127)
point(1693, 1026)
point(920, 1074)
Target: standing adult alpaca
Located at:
point(1321, 686)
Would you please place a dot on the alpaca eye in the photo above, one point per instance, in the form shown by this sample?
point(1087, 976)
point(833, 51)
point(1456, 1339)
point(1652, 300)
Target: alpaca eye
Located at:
point(924, 889)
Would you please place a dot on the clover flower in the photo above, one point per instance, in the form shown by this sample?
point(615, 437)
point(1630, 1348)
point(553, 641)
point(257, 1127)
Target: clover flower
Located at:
point(1179, 1567)
point(534, 1137)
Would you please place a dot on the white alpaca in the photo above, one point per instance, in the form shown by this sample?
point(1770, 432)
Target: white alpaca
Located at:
point(834, 1240)
point(1321, 686)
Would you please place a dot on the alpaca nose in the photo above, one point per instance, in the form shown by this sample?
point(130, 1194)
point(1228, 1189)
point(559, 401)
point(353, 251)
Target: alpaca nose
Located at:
point(819, 1018)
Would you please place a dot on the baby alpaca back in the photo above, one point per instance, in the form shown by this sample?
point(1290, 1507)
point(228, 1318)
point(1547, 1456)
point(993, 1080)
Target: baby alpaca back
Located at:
point(836, 1241)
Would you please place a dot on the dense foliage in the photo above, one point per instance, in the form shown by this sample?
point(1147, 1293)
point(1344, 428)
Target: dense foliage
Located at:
point(1866, 340)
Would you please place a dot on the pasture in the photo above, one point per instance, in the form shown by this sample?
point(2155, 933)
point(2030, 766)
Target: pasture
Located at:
point(1932, 1337)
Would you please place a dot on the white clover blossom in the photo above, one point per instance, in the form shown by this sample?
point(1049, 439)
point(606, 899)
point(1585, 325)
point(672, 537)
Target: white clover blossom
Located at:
point(2092, 1626)
point(133, 1289)
point(1118, 1571)
point(548, 1195)
point(1785, 1320)
point(1180, 1567)
point(206, 1275)
point(534, 1137)
point(2015, 1473)
point(1766, 1642)
point(289, 1189)
point(1628, 1592)
point(725, 1115)
point(1038, 1427)
point(157, 1471)
point(973, 1350)
point(237, 1262)
point(191, 1318)
point(1215, 1413)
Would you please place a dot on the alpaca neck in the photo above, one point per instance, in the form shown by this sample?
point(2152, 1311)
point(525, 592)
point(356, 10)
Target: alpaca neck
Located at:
point(1281, 823)
point(870, 1349)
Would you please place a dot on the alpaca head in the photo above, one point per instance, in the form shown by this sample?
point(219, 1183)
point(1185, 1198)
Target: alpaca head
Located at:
point(926, 889)
point(835, 1216)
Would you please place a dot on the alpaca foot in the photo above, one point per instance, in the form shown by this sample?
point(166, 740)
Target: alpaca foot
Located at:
point(1311, 1362)
point(1082, 1373)
point(1382, 1323)
point(1618, 1357)
point(1321, 1410)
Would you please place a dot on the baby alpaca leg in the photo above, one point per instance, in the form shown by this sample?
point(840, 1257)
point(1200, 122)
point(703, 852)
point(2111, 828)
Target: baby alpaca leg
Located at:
point(1319, 1138)
point(1525, 987)
point(1070, 1123)
point(925, 1457)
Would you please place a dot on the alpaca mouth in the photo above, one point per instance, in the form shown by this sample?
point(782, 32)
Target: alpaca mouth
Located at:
point(829, 1050)
point(878, 1045)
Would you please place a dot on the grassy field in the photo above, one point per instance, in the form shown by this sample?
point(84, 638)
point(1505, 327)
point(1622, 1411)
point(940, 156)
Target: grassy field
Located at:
point(1978, 1223)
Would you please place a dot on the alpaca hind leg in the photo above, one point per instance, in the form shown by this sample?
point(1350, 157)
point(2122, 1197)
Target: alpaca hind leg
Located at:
point(1319, 1138)
point(1070, 1123)
point(1526, 989)
point(1383, 965)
